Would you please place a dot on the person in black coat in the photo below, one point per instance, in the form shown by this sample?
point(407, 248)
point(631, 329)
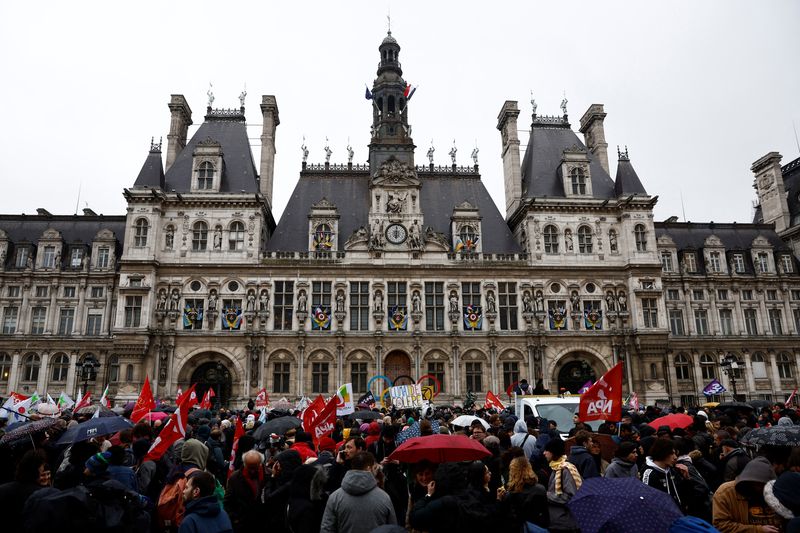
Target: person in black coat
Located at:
point(33, 473)
point(449, 505)
point(276, 494)
point(522, 499)
point(579, 455)
point(243, 494)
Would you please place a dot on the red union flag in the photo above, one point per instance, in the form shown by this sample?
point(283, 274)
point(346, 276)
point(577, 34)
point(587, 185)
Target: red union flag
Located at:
point(492, 401)
point(324, 423)
point(603, 400)
point(237, 434)
point(145, 403)
point(262, 400)
point(311, 412)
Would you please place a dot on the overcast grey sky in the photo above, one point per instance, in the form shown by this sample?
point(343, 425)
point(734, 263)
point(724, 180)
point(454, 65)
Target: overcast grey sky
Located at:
point(696, 90)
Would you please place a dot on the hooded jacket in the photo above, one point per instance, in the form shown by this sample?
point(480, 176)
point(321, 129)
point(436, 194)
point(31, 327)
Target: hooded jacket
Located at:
point(518, 439)
point(358, 506)
point(204, 515)
point(621, 468)
point(661, 479)
point(583, 460)
point(733, 512)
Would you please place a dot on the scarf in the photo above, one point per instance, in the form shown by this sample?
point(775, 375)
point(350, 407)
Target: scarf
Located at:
point(560, 464)
point(254, 483)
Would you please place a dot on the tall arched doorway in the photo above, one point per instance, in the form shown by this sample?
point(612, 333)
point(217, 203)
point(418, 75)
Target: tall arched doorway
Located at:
point(574, 375)
point(397, 365)
point(213, 374)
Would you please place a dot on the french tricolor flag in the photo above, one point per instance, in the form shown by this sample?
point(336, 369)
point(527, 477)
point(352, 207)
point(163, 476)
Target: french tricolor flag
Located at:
point(409, 91)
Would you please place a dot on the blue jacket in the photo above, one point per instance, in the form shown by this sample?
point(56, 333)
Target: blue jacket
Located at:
point(125, 475)
point(583, 461)
point(205, 515)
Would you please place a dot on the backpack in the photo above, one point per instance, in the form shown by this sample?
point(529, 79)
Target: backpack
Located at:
point(170, 506)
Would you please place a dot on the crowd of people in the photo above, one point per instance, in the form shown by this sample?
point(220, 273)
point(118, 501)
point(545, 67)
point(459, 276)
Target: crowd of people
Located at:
point(348, 481)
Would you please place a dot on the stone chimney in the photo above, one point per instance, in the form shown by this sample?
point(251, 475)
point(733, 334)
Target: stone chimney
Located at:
point(512, 172)
point(180, 120)
point(771, 190)
point(269, 109)
point(595, 135)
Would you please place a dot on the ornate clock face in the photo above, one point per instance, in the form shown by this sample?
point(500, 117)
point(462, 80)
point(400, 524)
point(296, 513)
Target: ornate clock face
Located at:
point(396, 233)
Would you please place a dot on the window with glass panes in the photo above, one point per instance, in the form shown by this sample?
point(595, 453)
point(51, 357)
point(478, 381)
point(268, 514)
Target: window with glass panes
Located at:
point(358, 377)
point(473, 375)
point(320, 297)
point(396, 294)
point(714, 262)
point(66, 320)
point(49, 257)
point(707, 367)
point(5, 367)
point(738, 263)
point(75, 257)
point(688, 400)
point(758, 365)
point(787, 263)
point(690, 261)
point(640, 236)
point(113, 369)
point(434, 306)
point(60, 367)
point(650, 312)
point(666, 262)
point(94, 321)
point(701, 321)
point(726, 321)
point(510, 373)
point(784, 363)
point(775, 321)
point(507, 308)
point(281, 374)
point(96, 292)
point(41, 291)
point(676, 322)
point(199, 236)
point(13, 291)
point(762, 263)
point(195, 304)
point(772, 294)
point(10, 320)
point(69, 292)
point(722, 294)
point(22, 257)
point(796, 314)
point(284, 305)
point(38, 320)
point(133, 311)
point(585, 240)
point(359, 305)
point(437, 370)
point(236, 236)
point(682, 367)
point(30, 367)
point(673, 294)
point(319, 377)
point(550, 239)
point(751, 321)
point(102, 257)
point(747, 294)
point(698, 294)
point(140, 233)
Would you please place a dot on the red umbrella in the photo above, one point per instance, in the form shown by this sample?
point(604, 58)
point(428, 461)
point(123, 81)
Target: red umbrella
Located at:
point(674, 421)
point(439, 449)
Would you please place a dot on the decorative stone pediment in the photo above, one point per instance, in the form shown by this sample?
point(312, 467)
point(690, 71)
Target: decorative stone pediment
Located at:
point(394, 173)
point(104, 235)
point(465, 206)
point(51, 234)
point(324, 204)
point(208, 141)
point(666, 241)
point(712, 241)
point(760, 242)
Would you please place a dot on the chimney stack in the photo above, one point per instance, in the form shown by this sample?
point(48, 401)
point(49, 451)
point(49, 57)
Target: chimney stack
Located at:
point(512, 171)
point(768, 183)
point(180, 120)
point(595, 135)
point(269, 109)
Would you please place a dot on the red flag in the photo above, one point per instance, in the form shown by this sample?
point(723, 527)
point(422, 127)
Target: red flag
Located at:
point(236, 435)
point(178, 395)
point(603, 400)
point(189, 398)
point(262, 400)
point(791, 398)
point(86, 401)
point(145, 403)
point(493, 401)
point(324, 423)
point(311, 412)
point(206, 403)
point(174, 430)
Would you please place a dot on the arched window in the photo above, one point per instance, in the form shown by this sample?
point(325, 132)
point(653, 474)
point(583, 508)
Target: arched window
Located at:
point(113, 369)
point(236, 236)
point(5, 367)
point(469, 237)
point(682, 367)
point(585, 240)
point(578, 178)
point(205, 176)
point(640, 235)
point(199, 236)
point(140, 233)
point(30, 367)
point(759, 366)
point(391, 104)
point(323, 238)
point(169, 237)
point(550, 239)
point(707, 366)
point(60, 363)
point(785, 370)
point(653, 371)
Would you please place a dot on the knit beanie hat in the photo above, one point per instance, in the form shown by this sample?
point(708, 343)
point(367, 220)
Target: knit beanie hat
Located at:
point(98, 463)
point(555, 446)
point(625, 449)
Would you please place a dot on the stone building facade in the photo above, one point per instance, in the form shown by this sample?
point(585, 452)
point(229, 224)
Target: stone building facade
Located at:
point(398, 271)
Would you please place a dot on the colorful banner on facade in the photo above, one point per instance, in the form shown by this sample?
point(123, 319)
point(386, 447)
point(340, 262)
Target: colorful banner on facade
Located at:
point(593, 319)
point(191, 317)
point(469, 244)
point(473, 317)
point(714, 387)
point(323, 238)
point(407, 396)
point(398, 318)
point(321, 319)
point(231, 318)
point(558, 318)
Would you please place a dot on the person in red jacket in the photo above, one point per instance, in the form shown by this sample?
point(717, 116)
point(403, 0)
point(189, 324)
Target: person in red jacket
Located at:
point(304, 446)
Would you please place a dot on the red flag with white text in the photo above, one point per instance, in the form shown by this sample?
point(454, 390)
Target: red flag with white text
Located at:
point(206, 403)
point(237, 434)
point(145, 403)
point(311, 412)
point(262, 400)
point(492, 401)
point(325, 422)
point(603, 400)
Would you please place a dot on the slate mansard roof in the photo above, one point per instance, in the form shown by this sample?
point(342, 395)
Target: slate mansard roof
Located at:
point(440, 193)
point(540, 166)
point(73, 228)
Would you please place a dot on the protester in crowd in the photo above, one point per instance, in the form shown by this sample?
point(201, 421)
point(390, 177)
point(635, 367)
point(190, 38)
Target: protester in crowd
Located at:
point(693, 491)
point(660, 470)
point(203, 513)
point(117, 469)
point(783, 497)
point(624, 462)
point(242, 499)
point(739, 505)
point(524, 437)
point(448, 504)
point(307, 498)
point(579, 455)
point(733, 459)
point(422, 474)
point(32, 474)
point(276, 493)
point(563, 484)
point(217, 464)
point(522, 499)
point(304, 445)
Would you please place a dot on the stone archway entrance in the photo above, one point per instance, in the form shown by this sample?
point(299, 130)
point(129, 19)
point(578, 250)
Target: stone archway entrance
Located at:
point(574, 374)
point(213, 374)
point(398, 365)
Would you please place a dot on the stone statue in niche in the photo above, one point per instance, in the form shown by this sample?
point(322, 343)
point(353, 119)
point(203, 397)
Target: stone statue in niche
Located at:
point(218, 238)
point(612, 240)
point(527, 302)
point(212, 300)
point(415, 236)
point(169, 238)
point(340, 302)
point(539, 301)
point(302, 301)
point(453, 302)
point(174, 299)
point(610, 304)
point(491, 304)
point(378, 301)
point(575, 302)
point(394, 204)
point(622, 300)
point(251, 300)
point(416, 302)
point(162, 299)
point(568, 239)
point(263, 300)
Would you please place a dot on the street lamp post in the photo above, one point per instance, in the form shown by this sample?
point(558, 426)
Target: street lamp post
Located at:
point(87, 370)
point(730, 365)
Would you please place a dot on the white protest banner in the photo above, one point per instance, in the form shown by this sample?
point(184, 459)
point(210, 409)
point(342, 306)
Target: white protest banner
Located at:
point(407, 396)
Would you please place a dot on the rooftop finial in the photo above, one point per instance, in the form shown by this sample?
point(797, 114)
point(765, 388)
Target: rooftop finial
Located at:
point(328, 151)
point(243, 95)
point(350, 152)
point(453, 152)
point(622, 155)
point(533, 104)
point(155, 147)
point(430, 152)
point(389, 20)
point(304, 149)
point(210, 94)
point(564, 104)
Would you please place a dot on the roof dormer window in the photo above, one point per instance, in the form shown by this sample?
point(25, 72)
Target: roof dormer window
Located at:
point(578, 178)
point(205, 176)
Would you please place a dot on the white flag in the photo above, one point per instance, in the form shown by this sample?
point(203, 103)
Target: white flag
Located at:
point(344, 400)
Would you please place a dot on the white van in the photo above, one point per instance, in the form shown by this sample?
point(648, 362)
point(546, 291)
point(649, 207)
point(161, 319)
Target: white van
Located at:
point(561, 409)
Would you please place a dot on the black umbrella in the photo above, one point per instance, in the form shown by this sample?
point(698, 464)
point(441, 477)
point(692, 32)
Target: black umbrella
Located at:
point(773, 436)
point(734, 405)
point(23, 432)
point(760, 404)
point(366, 415)
point(279, 426)
point(94, 427)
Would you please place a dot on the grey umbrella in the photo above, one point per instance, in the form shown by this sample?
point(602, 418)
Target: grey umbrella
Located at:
point(366, 415)
point(773, 436)
point(22, 433)
point(279, 426)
